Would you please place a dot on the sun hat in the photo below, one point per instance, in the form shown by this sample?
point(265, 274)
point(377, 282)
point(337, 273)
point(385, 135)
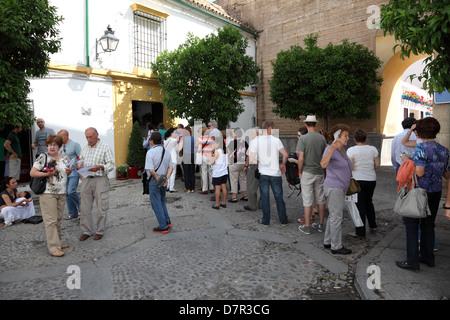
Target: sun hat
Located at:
point(310, 118)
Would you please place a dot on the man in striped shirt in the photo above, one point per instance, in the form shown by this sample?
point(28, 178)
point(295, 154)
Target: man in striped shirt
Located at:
point(95, 187)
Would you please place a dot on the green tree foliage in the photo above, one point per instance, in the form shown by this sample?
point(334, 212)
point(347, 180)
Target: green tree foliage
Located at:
point(136, 152)
point(28, 35)
point(334, 82)
point(201, 79)
point(422, 26)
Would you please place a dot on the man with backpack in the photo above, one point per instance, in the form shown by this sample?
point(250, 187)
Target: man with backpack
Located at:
point(310, 148)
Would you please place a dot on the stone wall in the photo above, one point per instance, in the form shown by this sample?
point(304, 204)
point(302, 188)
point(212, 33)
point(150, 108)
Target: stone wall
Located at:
point(283, 23)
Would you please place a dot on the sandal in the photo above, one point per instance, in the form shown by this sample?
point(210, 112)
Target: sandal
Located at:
point(216, 207)
point(354, 235)
point(405, 265)
point(233, 200)
point(244, 199)
point(223, 205)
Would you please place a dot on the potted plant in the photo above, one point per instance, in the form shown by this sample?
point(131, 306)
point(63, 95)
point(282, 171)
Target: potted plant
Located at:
point(122, 172)
point(136, 152)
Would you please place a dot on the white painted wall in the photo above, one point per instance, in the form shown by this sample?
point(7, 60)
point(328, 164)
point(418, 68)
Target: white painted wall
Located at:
point(60, 97)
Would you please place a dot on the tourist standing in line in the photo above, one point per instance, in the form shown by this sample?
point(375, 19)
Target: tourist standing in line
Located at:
point(365, 161)
point(41, 135)
point(73, 150)
point(95, 187)
point(53, 200)
point(267, 149)
point(158, 163)
point(310, 148)
point(336, 184)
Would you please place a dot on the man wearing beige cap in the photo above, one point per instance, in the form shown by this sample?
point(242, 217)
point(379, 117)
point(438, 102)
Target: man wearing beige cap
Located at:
point(310, 148)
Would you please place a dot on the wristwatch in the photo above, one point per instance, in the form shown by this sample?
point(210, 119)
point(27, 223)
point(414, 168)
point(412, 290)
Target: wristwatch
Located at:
point(446, 208)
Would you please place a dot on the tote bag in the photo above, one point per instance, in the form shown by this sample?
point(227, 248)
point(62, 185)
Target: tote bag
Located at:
point(412, 203)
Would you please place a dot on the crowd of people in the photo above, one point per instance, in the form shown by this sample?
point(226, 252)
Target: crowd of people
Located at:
point(62, 162)
point(244, 164)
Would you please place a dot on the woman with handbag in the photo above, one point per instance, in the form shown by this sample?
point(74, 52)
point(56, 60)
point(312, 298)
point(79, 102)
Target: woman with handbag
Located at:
point(53, 200)
point(187, 145)
point(365, 161)
point(336, 185)
point(13, 205)
point(431, 161)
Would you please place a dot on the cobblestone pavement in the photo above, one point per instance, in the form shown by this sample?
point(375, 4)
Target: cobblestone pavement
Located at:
point(208, 254)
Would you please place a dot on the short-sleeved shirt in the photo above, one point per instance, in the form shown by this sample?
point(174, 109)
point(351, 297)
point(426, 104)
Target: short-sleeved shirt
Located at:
point(312, 145)
point(99, 154)
point(15, 144)
point(434, 157)
point(41, 136)
point(267, 149)
point(338, 171)
point(57, 183)
point(153, 160)
point(363, 160)
point(72, 149)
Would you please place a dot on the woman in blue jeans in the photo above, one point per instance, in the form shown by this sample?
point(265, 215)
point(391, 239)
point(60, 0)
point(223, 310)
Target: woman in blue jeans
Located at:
point(431, 161)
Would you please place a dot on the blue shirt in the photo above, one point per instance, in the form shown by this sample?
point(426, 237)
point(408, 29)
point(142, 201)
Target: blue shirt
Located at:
point(72, 149)
point(434, 157)
point(153, 159)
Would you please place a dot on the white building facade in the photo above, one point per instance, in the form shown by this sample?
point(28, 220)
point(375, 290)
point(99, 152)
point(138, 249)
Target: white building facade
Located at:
point(87, 87)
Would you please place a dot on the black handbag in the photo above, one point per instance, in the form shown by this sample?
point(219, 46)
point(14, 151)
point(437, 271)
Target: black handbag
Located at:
point(33, 220)
point(38, 185)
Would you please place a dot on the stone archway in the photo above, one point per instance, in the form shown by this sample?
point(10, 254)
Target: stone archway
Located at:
point(388, 115)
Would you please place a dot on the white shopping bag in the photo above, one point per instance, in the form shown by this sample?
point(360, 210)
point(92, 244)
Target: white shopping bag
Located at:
point(354, 213)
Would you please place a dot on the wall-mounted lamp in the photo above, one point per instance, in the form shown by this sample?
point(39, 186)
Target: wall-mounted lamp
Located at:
point(108, 42)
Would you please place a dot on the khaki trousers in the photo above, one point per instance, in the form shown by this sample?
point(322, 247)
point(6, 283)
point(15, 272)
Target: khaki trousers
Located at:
point(94, 189)
point(52, 208)
point(237, 175)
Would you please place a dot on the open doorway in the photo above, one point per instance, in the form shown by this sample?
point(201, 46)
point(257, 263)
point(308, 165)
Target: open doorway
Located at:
point(146, 112)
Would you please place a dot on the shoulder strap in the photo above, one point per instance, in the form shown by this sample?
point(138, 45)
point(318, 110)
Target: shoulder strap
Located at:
point(162, 157)
point(346, 161)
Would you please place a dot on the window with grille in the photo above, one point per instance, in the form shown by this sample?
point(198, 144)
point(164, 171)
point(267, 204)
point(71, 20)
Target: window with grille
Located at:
point(150, 38)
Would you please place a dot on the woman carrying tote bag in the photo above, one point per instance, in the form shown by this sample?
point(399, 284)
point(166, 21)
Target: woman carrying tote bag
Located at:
point(431, 161)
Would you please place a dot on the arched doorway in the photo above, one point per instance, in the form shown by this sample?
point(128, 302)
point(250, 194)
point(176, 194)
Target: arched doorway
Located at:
point(389, 112)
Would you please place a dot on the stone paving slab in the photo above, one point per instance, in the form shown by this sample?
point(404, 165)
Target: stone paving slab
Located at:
point(208, 254)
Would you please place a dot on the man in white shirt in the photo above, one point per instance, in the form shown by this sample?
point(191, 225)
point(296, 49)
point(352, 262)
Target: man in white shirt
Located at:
point(266, 150)
point(397, 148)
